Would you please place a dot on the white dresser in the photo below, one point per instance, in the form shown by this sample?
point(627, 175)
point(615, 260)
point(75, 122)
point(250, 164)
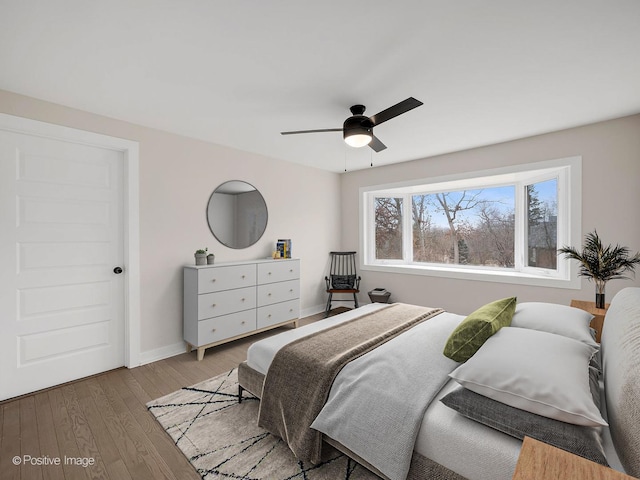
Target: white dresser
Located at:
point(226, 301)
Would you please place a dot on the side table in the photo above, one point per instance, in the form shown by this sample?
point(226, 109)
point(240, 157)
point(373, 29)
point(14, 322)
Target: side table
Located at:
point(598, 314)
point(540, 461)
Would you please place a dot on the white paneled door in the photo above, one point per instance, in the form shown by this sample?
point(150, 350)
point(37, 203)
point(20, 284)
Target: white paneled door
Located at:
point(61, 246)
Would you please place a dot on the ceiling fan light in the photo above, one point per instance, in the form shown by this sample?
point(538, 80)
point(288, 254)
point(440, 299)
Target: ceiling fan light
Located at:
point(358, 140)
point(357, 131)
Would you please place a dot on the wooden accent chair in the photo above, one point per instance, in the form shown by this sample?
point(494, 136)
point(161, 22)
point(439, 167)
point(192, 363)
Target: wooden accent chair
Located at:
point(342, 278)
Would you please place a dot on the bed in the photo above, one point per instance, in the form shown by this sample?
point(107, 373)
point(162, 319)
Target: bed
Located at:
point(450, 444)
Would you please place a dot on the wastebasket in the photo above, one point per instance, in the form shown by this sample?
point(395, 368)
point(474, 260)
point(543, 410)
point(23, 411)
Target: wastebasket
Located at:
point(379, 295)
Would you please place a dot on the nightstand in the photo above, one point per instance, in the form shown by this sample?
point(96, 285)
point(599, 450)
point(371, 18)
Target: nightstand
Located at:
point(540, 461)
point(598, 314)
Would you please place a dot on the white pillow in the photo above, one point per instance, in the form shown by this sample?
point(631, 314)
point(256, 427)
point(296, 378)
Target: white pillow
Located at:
point(539, 372)
point(554, 318)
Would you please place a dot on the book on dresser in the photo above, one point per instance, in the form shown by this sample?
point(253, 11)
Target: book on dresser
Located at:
point(231, 300)
point(283, 246)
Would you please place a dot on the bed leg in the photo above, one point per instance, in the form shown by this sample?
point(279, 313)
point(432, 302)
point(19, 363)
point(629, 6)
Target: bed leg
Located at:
point(240, 390)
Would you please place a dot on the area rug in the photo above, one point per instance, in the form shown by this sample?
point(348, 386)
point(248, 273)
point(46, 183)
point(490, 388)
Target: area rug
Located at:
point(221, 438)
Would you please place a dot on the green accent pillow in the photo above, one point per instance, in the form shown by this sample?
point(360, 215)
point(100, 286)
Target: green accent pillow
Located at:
point(476, 329)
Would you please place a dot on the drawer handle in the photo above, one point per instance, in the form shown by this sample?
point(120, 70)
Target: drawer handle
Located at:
point(242, 323)
point(269, 316)
point(291, 270)
point(213, 330)
point(242, 276)
point(242, 299)
point(291, 309)
point(213, 305)
point(268, 294)
point(269, 273)
point(291, 290)
point(213, 279)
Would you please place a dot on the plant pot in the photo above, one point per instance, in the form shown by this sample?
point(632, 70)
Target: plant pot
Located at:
point(201, 258)
point(210, 259)
point(599, 300)
point(600, 289)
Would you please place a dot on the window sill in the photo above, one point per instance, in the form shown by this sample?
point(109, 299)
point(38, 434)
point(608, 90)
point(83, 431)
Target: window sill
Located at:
point(519, 278)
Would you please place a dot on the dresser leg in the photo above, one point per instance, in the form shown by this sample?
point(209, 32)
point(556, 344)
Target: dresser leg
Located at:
point(189, 347)
point(200, 353)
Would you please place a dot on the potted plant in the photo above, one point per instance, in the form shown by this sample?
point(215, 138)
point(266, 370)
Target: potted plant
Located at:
point(601, 263)
point(210, 259)
point(201, 256)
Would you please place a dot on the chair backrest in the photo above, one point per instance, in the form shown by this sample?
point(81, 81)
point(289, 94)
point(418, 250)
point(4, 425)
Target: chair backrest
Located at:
point(343, 270)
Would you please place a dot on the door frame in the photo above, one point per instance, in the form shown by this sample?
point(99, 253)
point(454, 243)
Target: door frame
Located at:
point(130, 214)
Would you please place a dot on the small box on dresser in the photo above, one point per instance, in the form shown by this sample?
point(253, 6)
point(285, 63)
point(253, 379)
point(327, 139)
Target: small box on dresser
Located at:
point(227, 301)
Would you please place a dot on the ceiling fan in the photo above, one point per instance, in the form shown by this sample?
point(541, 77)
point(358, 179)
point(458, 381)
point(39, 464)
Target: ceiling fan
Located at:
point(357, 130)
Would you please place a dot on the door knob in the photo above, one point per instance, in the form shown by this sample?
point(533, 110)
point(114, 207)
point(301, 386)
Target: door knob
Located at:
point(117, 270)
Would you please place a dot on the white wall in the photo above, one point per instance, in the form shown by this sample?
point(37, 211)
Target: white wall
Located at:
point(611, 204)
point(177, 176)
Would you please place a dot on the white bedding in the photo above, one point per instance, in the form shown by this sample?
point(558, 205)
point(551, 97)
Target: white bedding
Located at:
point(377, 401)
point(470, 449)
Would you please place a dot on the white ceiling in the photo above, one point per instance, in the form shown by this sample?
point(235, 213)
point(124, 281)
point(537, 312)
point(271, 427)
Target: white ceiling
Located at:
point(237, 72)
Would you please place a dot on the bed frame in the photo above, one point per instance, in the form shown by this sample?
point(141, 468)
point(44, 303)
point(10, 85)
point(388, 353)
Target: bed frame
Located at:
point(621, 372)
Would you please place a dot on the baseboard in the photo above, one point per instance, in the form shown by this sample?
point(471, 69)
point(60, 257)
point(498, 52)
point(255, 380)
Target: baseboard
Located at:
point(161, 353)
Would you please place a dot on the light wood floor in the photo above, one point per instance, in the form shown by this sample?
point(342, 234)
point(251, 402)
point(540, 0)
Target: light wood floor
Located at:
point(105, 418)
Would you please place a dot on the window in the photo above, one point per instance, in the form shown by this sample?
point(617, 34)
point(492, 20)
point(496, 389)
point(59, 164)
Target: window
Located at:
point(504, 225)
point(465, 227)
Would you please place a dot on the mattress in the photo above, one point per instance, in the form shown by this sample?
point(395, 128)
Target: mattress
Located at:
point(468, 448)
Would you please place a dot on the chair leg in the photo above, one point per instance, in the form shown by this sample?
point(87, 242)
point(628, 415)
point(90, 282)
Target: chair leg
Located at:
point(326, 311)
point(240, 390)
point(355, 300)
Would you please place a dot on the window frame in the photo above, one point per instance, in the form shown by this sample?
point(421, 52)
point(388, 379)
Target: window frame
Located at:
point(568, 172)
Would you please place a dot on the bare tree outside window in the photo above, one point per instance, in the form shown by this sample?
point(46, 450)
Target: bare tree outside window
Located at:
point(388, 235)
point(468, 227)
point(496, 236)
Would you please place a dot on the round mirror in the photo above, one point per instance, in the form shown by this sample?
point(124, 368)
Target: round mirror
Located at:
point(237, 214)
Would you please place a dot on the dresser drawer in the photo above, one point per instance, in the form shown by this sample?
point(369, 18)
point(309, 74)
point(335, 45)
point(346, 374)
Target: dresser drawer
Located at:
point(278, 292)
point(221, 328)
point(223, 303)
point(278, 312)
point(216, 279)
point(278, 271)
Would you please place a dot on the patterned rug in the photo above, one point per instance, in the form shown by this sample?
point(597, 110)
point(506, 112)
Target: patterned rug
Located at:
point(221, 438)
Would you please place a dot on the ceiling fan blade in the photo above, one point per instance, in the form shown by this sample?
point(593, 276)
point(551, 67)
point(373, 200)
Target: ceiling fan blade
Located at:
point(398, 109)
point(376, 144)
point(312, 131)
